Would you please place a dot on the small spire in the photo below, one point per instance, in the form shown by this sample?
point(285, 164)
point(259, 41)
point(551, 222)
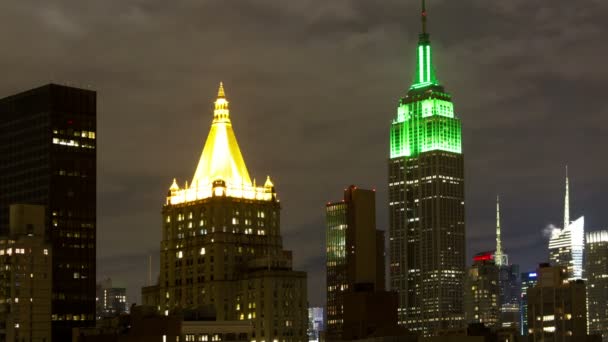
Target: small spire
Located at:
point(424, 14)
point(268, 183)
point(567, 202)
point(174, 186)
point(220, 91)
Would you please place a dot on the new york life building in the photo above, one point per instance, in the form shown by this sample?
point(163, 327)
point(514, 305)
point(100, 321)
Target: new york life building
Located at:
point(426, 203)
point(221, 249)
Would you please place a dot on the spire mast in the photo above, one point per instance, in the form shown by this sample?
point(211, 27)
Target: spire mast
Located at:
point(498, 256)
point(423, 17)
point(567, 202)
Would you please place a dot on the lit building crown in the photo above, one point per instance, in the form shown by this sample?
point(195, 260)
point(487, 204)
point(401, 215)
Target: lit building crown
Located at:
point(426, 120)
point(221, 170)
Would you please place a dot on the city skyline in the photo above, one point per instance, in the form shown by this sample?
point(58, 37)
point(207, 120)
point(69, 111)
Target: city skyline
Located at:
point(156, 96)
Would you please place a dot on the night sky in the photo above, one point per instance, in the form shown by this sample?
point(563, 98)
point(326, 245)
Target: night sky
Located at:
point(313, 86)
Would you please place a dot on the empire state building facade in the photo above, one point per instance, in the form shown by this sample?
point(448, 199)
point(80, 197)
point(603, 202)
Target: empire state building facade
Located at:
point(426, 202)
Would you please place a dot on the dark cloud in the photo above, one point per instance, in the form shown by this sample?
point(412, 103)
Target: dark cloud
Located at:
point(313, 86)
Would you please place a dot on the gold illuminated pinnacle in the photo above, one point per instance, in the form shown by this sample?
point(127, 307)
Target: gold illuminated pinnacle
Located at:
point(220, 91)
point(221, 158)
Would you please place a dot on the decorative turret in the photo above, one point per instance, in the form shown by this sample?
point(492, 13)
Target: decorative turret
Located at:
point(174, 187)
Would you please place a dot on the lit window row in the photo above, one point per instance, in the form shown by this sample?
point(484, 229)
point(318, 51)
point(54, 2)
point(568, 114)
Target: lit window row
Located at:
point(71, 143)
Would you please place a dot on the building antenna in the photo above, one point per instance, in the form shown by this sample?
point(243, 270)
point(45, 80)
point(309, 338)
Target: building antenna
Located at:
point(150, 270)
point(567, 202)
point(424, 15)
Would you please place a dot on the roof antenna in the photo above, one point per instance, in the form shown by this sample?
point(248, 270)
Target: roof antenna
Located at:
point(424, 16)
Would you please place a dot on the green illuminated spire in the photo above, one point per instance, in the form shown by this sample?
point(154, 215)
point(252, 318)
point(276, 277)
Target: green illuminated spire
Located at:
point(425, 118)
point(425, 72)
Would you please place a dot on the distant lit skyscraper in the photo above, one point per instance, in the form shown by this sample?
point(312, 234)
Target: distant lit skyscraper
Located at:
point(316, 319)
point(596, 274)
point(528, 280)
point(48, 157)
point(355, 252)
point(111, 300)
point(426, 202)
point(222, 249)
point(566, 246)
point(507, 281)
point(481, 295)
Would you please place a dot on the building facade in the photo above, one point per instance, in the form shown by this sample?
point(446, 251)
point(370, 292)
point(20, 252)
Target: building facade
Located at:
point(48, 157)
point(482, 291)
point(596, 274)
point(221, 244)
point(556, 306)
point(111, 300)
point(567, 245)
point(355, 252)
point(25, 276)
point(426, 203)
point(528, 280)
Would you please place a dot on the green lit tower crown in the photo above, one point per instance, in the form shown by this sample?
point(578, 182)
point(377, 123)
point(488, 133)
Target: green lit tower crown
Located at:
point(426, 202)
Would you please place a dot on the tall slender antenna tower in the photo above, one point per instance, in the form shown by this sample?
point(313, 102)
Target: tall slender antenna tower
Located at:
point(150, 270)
point(498, 255)
point(567, 202)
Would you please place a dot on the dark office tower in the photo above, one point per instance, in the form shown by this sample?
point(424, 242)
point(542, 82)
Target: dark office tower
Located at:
point(596, 272)
point(426, 203)
point(528, 280)
point(353, 252)
point(48, 157)
point(222, 250)
point(481, 296)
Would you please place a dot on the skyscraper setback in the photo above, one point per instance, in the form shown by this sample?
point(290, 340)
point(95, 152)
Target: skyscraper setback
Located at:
point(221, 249)
point(48, 157)
point(426, 202)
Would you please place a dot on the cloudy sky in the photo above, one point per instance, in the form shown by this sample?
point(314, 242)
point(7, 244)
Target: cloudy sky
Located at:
point(313, 86)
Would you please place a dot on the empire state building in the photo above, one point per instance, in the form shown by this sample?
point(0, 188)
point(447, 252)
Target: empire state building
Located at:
point(426, 202)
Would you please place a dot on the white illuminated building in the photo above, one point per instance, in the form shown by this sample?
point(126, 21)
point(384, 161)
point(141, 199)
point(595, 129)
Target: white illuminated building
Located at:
point(567, 245)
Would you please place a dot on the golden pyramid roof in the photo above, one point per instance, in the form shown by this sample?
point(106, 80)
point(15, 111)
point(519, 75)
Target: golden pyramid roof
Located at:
point(221, 158)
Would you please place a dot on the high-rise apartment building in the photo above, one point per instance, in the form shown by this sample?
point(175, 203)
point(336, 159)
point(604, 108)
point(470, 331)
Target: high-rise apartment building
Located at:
point(566, 246)
point(528, 280)
point(25, 276)
point(596, 274)
point(48, 157)
point(221, 248)
point(355, 252)
point(556, 306)
point(481, 296)
point(426, 202)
